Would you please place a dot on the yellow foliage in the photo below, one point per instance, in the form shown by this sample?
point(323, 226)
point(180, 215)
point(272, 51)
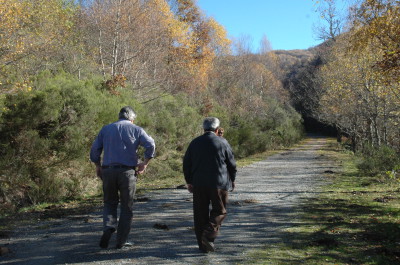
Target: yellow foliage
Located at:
point(357, 96)
point(378, 22)
point(219, 36)
point(178, 30)
point(29, 26)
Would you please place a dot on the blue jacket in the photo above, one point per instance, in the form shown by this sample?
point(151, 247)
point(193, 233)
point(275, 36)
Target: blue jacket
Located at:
point(119, 142)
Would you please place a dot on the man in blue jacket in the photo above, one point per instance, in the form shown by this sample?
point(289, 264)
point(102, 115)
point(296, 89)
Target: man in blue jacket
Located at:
point(209, 168)
point(119, 142)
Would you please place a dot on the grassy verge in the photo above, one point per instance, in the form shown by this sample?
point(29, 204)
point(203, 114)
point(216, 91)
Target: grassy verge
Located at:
point(354, 220)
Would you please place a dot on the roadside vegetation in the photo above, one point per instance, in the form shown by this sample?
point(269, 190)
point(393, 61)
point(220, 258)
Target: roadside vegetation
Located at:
point(355, 219)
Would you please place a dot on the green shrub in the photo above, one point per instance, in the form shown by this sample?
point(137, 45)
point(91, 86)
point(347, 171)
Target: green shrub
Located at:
point(42, 131)
point(379, 160)
point(46, 135)
point(278, 126)
point(173, 124)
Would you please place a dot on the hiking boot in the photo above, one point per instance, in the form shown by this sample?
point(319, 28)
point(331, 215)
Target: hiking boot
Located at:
point(105, 238)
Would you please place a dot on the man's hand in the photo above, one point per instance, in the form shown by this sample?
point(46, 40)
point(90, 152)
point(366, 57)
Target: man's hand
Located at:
point(190, 188)
point(233, 186)
point(141, 167)
point(98, 171)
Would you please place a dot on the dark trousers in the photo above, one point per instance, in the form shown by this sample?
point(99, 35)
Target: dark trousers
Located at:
point(119, 186)
point(208, 221)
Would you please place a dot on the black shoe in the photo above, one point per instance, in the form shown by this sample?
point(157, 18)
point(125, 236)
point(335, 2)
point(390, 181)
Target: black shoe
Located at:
point(105, 238)
point(203, 250)
point(207, 245)
point(127, 244)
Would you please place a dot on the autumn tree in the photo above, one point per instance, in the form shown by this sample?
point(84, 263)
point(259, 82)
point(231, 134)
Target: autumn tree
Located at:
point(378, 22)
point(32, 33)
point(207, 39)
point(244, 82)
point(361, 77)
point(357, 99)
point(158, 47)
point(265, 45)
point(332, 20)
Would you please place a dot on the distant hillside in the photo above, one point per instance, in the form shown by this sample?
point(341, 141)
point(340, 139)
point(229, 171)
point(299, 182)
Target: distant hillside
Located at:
point(289, 58)
point(299, 54)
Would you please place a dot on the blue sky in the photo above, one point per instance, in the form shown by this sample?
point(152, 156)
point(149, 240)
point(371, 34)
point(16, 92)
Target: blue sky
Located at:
point(288, 24)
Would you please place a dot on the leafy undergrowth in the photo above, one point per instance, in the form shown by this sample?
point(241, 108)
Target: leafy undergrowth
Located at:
point(354, 220)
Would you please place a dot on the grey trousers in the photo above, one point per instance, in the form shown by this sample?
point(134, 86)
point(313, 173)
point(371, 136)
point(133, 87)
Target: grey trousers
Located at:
point(119, 186)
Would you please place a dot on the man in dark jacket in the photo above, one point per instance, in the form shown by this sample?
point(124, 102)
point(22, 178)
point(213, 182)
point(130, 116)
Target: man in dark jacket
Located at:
point(209, 168)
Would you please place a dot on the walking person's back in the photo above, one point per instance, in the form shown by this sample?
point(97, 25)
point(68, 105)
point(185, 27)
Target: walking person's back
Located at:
point(118, 142)
point(209, 167)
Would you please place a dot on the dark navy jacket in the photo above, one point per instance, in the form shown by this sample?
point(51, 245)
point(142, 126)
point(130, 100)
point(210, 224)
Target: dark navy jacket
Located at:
point(208, 162)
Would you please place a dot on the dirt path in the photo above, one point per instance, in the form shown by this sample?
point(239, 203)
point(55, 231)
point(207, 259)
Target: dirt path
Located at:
point(264, 202)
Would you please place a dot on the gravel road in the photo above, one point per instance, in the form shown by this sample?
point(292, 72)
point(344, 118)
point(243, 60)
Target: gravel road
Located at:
point(264, 203)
